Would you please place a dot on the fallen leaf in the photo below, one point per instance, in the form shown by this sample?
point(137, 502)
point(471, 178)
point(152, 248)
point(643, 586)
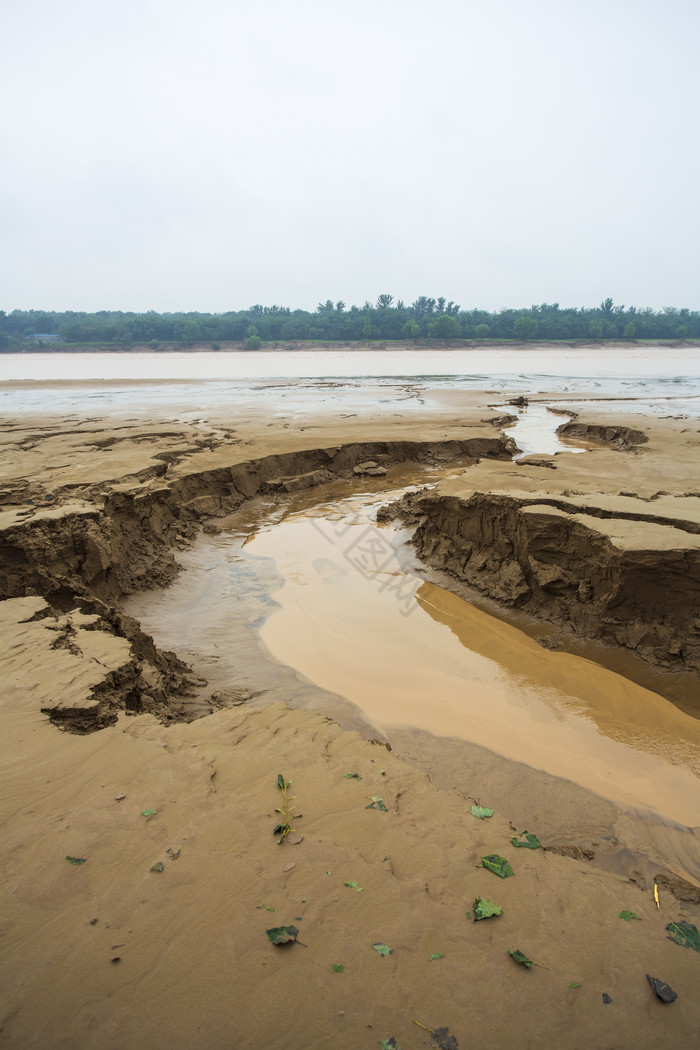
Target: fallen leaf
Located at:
point(353, 776)
point(264, 907)
point(338, 967)
point(353, 886)
point(283, 934)
point(76, 860)
point(530, 841)
point(519, 957)
point(606, 998)
point(485, 909)
point(376, 803)
point(656, 896)
point(627, 915)
point(575, 984)
point(664, 991)
point(685, 934)
point(482, 812)
point(383, 949)
point(437, 955)
point(389, 1044)
point(158, 866)
point(441, 1038)
point(498, 865)
point(148, 812)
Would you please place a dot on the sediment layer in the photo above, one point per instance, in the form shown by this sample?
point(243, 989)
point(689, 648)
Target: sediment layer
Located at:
point(626, 578)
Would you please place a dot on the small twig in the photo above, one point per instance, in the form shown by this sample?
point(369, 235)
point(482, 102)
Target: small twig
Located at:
point(424, 1027)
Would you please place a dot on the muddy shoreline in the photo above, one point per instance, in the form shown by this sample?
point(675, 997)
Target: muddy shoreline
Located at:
point(95, 508)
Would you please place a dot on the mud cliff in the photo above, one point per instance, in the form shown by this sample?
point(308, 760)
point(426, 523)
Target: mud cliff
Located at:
point(628, 581)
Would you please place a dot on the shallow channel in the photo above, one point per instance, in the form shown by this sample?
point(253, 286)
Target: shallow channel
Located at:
point(312, 603)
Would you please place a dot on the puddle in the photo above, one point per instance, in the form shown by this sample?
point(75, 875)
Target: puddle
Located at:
point(314, 607)
point(535, 431)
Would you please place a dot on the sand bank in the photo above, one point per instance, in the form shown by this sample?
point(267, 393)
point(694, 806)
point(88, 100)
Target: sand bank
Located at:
point(94, 508)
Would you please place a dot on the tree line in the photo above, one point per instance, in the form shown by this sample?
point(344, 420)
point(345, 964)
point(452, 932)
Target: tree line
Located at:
point(385, 319)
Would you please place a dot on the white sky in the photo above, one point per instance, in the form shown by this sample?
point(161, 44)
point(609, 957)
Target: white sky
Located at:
point(208, 155)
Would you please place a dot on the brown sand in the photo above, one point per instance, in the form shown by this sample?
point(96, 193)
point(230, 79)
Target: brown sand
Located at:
point(195, 968)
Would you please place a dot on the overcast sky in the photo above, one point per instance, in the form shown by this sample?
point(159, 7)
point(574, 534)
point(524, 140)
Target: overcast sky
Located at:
point(211, 154)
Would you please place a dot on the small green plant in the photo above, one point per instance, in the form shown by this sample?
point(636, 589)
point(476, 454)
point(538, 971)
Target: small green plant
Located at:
point(284, 827)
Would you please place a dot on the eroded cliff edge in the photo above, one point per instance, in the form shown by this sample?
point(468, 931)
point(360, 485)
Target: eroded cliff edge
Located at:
point(626, 576)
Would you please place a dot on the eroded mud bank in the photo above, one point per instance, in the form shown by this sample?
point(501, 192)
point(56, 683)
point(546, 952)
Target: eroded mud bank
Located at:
point(626, 578)
point(90, 555)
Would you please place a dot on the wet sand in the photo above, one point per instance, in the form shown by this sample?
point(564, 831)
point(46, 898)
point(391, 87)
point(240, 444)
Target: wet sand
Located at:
point(195, 966)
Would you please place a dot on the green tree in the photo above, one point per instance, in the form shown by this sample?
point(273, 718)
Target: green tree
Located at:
point(525, 327)
point(629, 331)
point(481, 331)
point(444, 327)
point(595, 328)
point(682, 331)
point(410, 330)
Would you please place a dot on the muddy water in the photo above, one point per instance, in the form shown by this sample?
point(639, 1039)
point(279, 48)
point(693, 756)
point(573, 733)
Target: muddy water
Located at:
point(308, 603)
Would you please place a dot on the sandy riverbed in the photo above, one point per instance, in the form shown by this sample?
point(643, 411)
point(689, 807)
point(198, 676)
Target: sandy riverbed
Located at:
point(195, 968)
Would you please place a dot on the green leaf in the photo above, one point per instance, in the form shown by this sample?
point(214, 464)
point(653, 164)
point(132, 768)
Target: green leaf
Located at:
point(520, 957)
point(353, 886)
point(76, 860)
point(627, 915)
point(376, 803)
point(389, 1044)
point(264, 907)
point(437, 955)
point(531, 841)
point(383, 949)
point(338, 968)
point(280, 781)
point(575, 984)
point(282, 934)
point(158, 866)
point(148, 812)
point(482, 812)
point(498, 865)
point(685, 934)
point(485, 909)
point(468, 914)
point(353, 776)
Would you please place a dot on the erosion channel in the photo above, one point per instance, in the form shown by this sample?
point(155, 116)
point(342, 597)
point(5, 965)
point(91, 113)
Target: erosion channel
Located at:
point(303, 596)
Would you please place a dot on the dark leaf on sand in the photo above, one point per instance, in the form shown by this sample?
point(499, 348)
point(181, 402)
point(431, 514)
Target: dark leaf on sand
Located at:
point(283, 934)
point(520, 957)
point(280, 781)
point(685, 934)
point(627, 915)
point(606, 998)
point(76, 860)
point(498, 865)
point(158, 866)
point(376, 803)
point(485, 909)
point(664, 991)
point(482, 812)
point(528, 841)
point(389, 1044)
point(441, 1038)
